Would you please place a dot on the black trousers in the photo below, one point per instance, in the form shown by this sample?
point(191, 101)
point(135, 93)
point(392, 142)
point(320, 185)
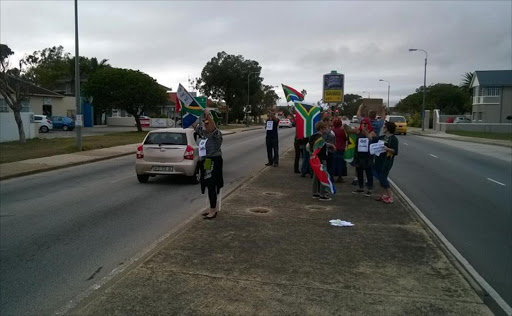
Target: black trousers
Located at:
point(272, 150)
point(298, 153)
point(212, 194)
point(369, 177)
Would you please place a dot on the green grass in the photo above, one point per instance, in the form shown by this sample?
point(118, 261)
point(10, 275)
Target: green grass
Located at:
point(501, 136)
point(37, 148)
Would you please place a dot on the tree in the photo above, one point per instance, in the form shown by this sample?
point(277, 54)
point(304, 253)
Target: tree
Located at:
point(466, 81)
point(12, 88)
point(264, 98)
point(129, 90)
point(351, 103)
point(225, 77)
point(449, 98)
point(47, 66)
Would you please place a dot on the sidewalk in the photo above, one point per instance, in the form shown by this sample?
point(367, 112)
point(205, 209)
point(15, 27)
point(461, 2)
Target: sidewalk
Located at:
point(443, 135)
point(31, 166)
point(271, 251)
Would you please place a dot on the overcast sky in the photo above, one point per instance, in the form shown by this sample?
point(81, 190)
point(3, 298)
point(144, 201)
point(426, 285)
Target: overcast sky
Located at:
point(295, 42)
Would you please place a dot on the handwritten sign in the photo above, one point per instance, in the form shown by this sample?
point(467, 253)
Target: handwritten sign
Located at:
point(270, 125)
point(202, 147)
point(377, 148)
point(362, 145)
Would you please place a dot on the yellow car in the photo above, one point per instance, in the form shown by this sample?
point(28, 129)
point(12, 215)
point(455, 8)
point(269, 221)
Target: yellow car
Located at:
point(400, 122)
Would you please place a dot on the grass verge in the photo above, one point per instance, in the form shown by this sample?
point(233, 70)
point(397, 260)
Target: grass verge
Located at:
point(37, 148)
point(501, 136)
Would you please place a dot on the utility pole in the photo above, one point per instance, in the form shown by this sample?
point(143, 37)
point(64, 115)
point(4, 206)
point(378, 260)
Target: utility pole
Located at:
point(79, 119)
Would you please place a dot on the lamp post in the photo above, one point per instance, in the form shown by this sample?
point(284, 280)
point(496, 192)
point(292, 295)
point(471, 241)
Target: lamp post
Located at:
point(77, 84)
point(424, 86)
point(248, 94)
point(368, 93)
point(389, 84)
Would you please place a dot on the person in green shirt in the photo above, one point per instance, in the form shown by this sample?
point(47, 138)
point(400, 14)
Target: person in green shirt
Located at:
point(384, 161)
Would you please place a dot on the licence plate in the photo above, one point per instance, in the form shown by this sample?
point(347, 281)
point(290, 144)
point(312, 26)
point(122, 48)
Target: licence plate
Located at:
point(163, 168)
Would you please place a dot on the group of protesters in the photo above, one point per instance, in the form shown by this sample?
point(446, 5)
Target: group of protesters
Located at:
point(335, 131)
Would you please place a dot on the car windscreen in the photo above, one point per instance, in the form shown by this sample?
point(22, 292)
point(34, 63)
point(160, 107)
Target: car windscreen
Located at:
point(397, 119)
point(164, 138)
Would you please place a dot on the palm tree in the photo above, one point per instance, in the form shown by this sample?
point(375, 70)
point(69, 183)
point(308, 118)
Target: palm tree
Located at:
point(466, 81)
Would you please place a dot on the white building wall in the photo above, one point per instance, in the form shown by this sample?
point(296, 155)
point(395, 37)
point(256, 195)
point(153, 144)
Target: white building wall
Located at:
point(9, 128)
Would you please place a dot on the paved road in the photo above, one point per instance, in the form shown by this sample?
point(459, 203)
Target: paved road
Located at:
point(464, 190)
point(63, 231)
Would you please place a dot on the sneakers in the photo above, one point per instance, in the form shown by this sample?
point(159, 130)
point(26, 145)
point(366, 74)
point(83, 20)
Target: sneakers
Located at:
point(316, 196)
point(358, 191)
point(324, 198)
point(387, 199)
point(368, 193)
point(381, 197)
point(268, 164)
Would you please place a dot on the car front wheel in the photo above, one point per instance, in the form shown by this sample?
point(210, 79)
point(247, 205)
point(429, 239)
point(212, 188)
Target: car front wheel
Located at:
point(65, 128)
point(143, 178)
point(44, 129)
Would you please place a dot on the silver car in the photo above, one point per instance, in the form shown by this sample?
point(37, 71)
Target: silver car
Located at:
point(168, 151)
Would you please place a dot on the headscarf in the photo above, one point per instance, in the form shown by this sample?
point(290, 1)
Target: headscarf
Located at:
point(366, 120)
point(336, 122)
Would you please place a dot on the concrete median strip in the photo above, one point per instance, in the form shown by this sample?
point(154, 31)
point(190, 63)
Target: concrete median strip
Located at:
point(290, 261)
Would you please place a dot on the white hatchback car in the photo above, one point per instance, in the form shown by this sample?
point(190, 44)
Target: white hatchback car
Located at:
point(45, 124)
point(168, 151)
point(285, 123)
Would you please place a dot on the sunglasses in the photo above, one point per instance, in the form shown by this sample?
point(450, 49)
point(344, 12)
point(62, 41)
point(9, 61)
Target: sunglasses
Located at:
point(364, 123)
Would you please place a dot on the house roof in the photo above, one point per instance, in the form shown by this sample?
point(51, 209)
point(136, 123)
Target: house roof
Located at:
point(494, 77)
point(35, 90)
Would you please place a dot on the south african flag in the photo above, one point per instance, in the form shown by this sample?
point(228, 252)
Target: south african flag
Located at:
point(318, 168)
point(350, 150)
point(306, 116)
point(292, 94)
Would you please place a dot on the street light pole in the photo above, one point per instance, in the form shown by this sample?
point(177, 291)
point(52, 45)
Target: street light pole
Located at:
point(389, 84)
point(77, 83)
point(424, 86)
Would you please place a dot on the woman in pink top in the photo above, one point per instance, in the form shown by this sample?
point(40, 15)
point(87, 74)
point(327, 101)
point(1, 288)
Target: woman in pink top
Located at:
point(339, 164)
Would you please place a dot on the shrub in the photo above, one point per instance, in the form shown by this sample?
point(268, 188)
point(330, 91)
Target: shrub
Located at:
point(414, 120)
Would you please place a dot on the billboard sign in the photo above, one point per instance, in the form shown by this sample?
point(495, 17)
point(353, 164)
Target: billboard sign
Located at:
point(334, 84)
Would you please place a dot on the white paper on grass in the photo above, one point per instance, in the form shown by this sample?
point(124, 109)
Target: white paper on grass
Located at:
point(339, 222)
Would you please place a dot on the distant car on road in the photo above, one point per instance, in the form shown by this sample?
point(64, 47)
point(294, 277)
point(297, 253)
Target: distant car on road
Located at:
point(63, 122)
point(355, 119)
point(45, 124)
point(400, 122)
point(168, 151)
point(461, 119)
point(285, 123)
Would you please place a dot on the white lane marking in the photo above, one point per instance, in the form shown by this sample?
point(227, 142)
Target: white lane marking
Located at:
point(434, 156)
point(503, 184)
point(469, 268)
point(406, 144)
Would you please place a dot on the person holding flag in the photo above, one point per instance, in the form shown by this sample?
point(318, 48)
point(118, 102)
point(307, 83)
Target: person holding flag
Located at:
point(318, 161)
point(210, 163)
